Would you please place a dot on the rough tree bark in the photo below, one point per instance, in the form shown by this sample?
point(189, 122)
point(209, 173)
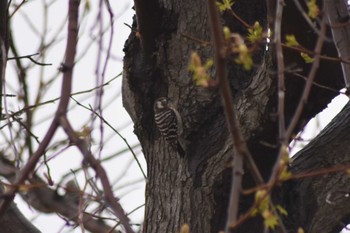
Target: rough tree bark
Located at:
point(195, 189)
point(311, 200)
point(15, 222)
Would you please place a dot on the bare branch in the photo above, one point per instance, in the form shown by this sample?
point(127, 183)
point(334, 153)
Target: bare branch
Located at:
point(338, 17)
point(46, 200)
point(31, 59)
point(309, 82)
point(240, 148)
point(96, 165)
point(61, 120)
point(116, 131)
point(66, 85)
point(280, 68)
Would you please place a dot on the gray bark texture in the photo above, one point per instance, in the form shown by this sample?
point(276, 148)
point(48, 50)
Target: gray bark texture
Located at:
point(14, 221)
point(195, 189)
point(321, 202)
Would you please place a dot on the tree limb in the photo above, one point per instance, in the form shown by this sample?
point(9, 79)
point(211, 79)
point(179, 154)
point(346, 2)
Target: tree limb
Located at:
point(60, 119)
point(327, 192)
point(338, 18)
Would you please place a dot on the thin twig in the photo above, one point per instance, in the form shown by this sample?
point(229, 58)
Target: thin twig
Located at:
point(242, 21)
point(58, 98)
point(17, 8)
point(22, 74)
point(311, 53)
point(309, 82)
point(319, 85)
point(306, 17)
point(3, 53)
point(31, 59)
point(117, 132)
point(96, 165)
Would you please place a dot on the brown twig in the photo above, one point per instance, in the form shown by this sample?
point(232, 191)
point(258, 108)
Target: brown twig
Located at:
point(31, 59)
point(22, 79)
point(306, 17)
point(312, 53)
point(201, 42)
point(58, 98)
point(242, 21)
point(17, 8)
point(116, 131)
point(319, 85)
point(302, 175)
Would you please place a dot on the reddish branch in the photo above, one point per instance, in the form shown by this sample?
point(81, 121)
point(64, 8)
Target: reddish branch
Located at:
point(231, 118)
point(241, 151)
point(96, 165)
point(60, 119)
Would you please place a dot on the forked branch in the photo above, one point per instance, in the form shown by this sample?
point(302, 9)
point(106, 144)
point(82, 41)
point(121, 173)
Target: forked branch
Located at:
point(60, 119)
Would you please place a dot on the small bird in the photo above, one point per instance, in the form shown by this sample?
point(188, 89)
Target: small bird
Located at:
point(169, 123)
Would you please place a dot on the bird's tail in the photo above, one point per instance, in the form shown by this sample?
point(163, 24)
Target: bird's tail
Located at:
point(181, 148)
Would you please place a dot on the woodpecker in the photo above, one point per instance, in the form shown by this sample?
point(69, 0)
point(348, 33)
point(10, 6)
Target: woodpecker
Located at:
point(169, 123)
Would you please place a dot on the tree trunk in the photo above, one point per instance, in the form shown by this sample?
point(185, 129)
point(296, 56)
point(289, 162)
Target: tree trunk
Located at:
point(194, 189)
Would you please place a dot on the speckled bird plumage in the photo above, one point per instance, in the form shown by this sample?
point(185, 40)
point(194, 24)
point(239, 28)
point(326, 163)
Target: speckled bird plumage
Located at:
point(169, 122)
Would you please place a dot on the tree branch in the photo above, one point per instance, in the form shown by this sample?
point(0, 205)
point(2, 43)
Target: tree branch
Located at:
point(96, 165)
point(60, 119)
point(322, 187)
point(280, 68)
point(338, 17)
point(309, 82)
point(46, 200)
point(240, 148)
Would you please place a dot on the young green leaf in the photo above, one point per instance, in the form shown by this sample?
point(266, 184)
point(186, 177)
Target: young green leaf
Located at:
point(291, 40)
point(313, 10)
point(224, 5)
